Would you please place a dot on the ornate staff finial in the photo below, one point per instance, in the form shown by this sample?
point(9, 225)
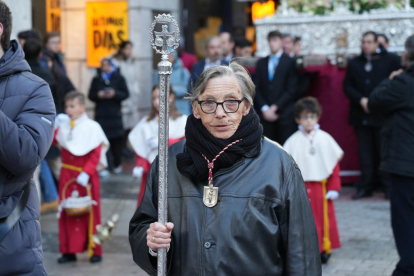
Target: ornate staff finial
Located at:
point(167, 40)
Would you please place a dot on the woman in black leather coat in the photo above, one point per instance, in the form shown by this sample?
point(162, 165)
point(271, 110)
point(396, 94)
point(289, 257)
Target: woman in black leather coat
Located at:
point(259, 222)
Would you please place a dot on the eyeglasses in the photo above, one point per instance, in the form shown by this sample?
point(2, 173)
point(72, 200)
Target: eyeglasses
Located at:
point(309, 117)
point(229, 106)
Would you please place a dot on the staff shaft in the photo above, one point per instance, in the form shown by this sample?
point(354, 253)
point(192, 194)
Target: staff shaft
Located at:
point(163, 133)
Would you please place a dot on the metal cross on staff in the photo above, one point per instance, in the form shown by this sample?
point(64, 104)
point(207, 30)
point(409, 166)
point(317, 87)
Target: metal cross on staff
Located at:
point(164, 35)
point(169, 43)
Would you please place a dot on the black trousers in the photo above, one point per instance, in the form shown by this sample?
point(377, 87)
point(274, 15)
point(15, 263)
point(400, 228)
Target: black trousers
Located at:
point(402, 221)
point(369, 143)
point(114, 153)
point(280, 130)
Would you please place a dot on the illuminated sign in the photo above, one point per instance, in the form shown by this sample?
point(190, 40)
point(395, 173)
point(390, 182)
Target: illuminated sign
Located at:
point(261, 10)
point(107, 27)
point(53, 15)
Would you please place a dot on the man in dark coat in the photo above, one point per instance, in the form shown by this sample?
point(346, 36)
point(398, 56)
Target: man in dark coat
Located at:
point(213, 57)
point(276, 90)
point(394, 98)
point(27, 117)
point(108, 90)
point(364, 73)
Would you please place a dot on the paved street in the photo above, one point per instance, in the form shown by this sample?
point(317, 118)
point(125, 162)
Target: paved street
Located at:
point(367, 243)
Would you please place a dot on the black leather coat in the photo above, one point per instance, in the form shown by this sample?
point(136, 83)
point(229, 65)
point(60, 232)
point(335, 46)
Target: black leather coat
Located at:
point(262, 224)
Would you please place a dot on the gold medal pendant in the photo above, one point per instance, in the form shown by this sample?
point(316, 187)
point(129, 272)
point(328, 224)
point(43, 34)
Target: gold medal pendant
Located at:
point(210, 196)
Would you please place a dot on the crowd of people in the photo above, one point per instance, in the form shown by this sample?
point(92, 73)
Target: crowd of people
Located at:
point(225, 118)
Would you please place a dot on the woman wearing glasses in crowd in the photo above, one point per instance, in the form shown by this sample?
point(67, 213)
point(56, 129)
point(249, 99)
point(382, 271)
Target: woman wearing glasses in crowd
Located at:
point(237, 204)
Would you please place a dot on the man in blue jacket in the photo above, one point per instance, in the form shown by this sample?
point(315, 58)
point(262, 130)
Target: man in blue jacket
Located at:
point(27, 115)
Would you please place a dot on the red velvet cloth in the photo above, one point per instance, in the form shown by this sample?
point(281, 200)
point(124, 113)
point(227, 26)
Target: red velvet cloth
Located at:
point(316, 197)
point(188, 60)
point(327, 86)
point(142, 162)
point(74, 231)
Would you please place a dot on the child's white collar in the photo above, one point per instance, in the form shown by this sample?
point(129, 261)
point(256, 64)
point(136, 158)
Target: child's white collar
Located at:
point(316, 127)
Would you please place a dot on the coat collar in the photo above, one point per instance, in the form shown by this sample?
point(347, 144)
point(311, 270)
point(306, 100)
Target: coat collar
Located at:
point(381, 51)
point(251, 154)
point(278, 54)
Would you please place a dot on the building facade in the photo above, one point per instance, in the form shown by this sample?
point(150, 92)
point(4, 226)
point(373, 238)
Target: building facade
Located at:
point(72, 23)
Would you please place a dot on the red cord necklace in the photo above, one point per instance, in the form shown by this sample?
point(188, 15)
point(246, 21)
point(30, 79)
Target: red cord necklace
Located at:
point(210, 194)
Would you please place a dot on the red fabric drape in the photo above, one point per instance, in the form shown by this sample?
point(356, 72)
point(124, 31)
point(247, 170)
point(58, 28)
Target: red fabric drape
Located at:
point(327, 86)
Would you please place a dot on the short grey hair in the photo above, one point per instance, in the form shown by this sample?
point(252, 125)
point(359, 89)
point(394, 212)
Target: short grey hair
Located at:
point(244, 80)
point(210, 39)
point(409, 48)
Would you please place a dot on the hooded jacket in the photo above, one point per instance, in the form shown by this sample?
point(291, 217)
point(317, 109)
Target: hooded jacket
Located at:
point(27, 116)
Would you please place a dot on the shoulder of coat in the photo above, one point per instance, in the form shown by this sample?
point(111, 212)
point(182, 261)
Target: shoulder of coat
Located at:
point(176, 148)
point(31, 77)
point(274, 150)
point(25, 84)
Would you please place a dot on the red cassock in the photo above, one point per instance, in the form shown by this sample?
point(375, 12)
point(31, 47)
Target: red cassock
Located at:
point(316, 194)
point(74, 235)
point(146, 165)
point(327, 86)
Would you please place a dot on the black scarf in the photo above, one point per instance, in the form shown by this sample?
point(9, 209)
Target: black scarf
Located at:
point(199, 141)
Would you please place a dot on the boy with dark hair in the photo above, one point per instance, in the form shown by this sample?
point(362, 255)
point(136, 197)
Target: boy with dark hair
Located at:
point(81, 160)
point(317, 155)
point(27, 114)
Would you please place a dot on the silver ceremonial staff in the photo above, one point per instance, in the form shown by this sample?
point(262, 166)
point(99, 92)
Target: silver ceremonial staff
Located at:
point(168, 41)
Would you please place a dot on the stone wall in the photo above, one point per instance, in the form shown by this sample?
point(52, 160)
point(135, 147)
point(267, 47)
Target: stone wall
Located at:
point(140, 18)
point(22, 15)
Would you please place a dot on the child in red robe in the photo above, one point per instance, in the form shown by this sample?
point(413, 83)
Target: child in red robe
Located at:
point(84, 145)
point(144, 137)
point(317, 155)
